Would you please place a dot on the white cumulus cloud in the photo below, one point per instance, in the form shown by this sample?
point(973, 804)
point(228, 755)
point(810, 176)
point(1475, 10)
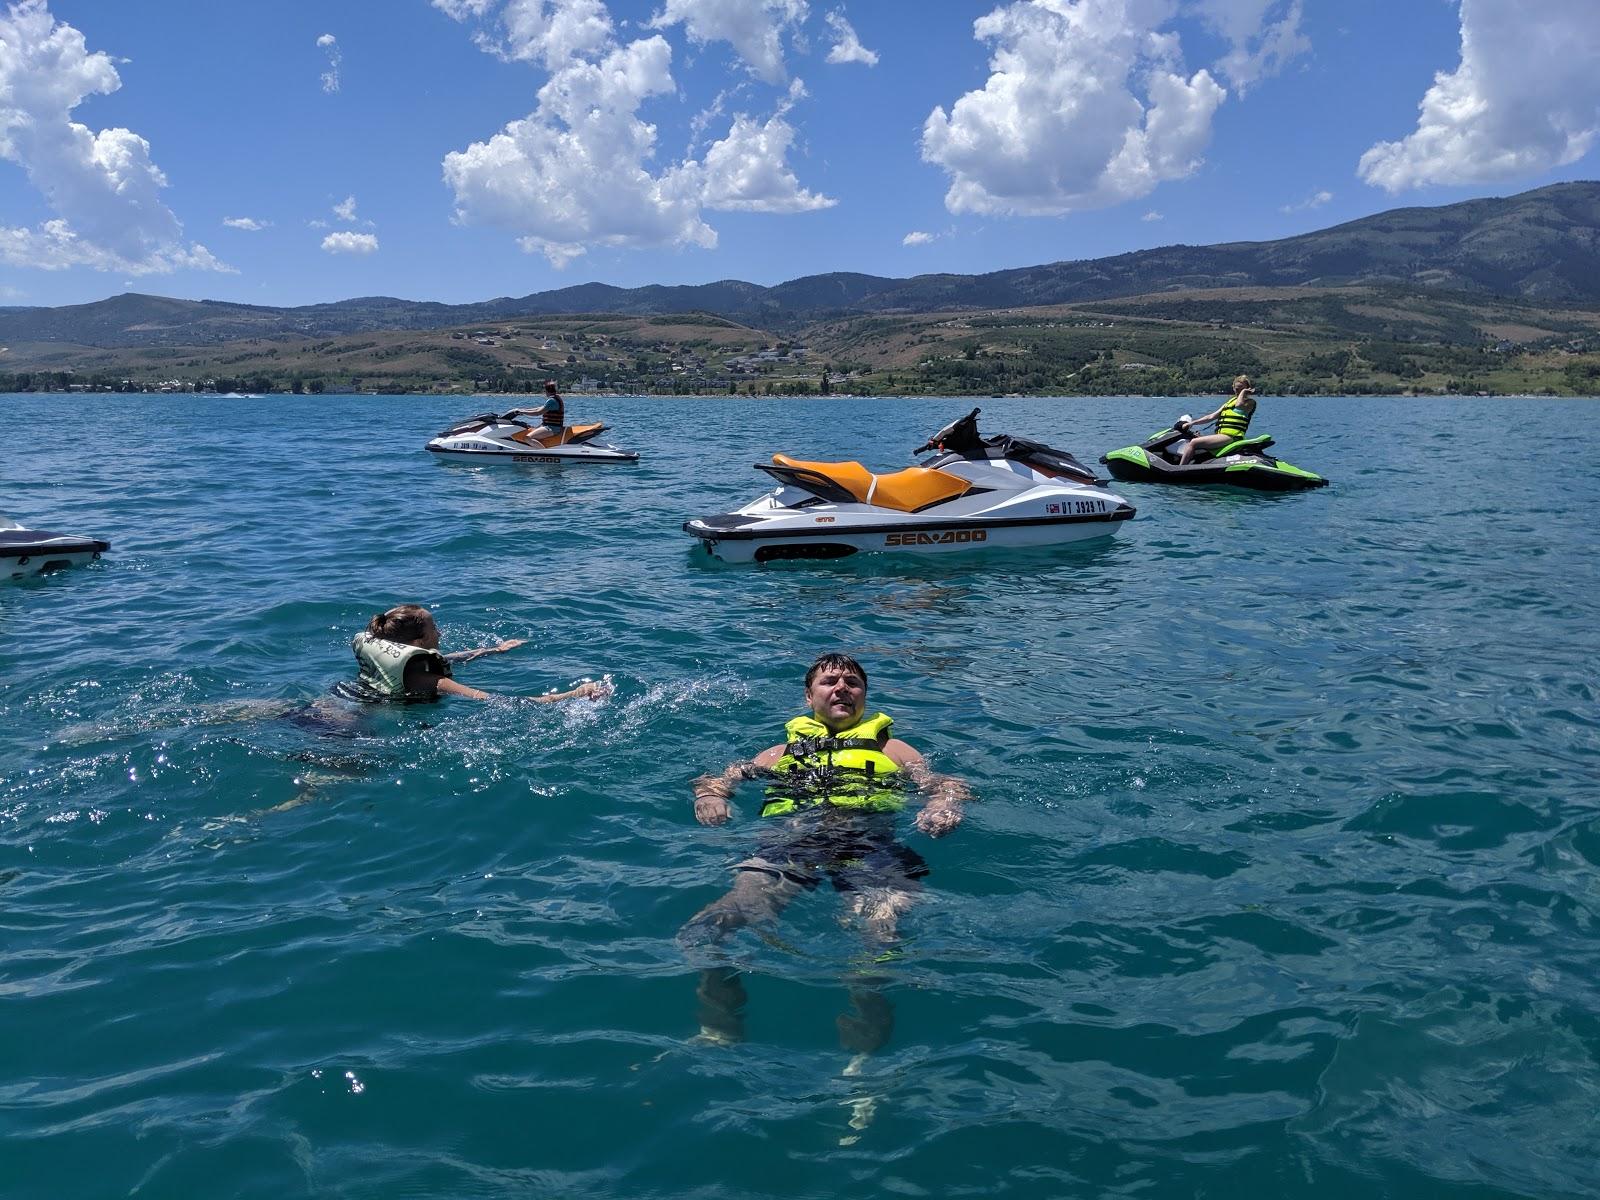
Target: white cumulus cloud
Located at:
point(747, 171)
point(917, 238)
point(345, 210)
point(1086, 106)
point(1263, 36)
point(103, 186)
point(754, 28)
point(847, 47)
point(248, 224)
point(346, 242)
point(1524, 98)
point(1152, 215)
point(330, 46)
point(578, 171)
point(573, 173)
point(1315, 200)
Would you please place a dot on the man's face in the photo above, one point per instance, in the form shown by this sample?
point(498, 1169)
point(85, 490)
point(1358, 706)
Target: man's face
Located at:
point(837, 697)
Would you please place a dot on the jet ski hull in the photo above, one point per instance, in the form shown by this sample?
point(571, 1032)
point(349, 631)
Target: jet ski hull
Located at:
point(824, 532)
point(481, 450)
point(737, 546)
point(27, 552)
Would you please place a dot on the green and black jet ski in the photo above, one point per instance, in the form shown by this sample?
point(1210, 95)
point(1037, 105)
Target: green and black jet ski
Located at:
point(1242, 463)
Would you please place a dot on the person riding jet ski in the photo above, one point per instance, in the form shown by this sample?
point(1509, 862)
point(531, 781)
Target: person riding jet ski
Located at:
point(507, 436)
point(1181, 455)
point(1232, 421)
point(552, 415)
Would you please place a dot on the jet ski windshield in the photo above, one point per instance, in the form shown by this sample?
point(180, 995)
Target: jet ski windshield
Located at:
point(962, 438)
point(958, 437)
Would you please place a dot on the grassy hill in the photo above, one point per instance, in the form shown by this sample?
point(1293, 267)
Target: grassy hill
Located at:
point(1383, 339)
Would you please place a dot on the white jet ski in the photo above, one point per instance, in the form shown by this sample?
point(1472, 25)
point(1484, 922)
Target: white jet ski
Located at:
point(25, 552)
point(509, 437)
point(975, 493)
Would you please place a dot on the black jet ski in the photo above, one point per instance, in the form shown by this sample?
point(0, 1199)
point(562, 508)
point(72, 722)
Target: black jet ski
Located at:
point(1243, 462)
point(25, 551)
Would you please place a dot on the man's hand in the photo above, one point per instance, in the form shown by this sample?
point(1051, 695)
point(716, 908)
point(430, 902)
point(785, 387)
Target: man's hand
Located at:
point(938, 817)
point(710, 810)
point(510, 644)
point(712, 792)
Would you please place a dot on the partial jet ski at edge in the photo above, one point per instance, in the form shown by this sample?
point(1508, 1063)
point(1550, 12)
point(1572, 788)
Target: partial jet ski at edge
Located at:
point(25, 552)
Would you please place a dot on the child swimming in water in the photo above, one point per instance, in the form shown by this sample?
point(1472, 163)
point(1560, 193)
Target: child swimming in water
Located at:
point(400, 662)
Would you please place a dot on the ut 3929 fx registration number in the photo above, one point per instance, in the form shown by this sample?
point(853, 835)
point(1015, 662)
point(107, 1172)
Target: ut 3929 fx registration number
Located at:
point(1076, 507)
point(944, 537)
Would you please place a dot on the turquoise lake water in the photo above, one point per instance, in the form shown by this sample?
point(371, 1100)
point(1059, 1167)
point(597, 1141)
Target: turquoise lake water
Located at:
point(1280, 880)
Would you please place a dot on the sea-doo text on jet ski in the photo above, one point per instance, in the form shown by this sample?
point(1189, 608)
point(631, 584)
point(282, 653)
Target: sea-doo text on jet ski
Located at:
point(975, 493)
point(1243, 463)
point(508, 437)
point(25, 552)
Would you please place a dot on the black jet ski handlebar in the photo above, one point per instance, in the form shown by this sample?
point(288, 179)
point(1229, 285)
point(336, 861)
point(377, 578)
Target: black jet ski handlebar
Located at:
point(936, 442)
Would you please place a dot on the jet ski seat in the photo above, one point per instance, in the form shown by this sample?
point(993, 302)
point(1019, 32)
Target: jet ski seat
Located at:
point(910, 490)
point(569, 434)
point(1238, 446)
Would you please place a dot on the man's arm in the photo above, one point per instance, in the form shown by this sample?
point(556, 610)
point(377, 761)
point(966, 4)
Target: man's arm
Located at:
point(943, 794)
point(712, 792)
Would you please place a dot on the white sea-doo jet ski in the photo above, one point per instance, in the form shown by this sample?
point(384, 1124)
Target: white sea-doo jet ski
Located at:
point(975, 493)
point(509, 437)
point(25, 552)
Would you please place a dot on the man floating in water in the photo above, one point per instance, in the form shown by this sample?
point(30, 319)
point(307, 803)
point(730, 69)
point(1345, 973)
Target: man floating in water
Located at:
point(834, 789)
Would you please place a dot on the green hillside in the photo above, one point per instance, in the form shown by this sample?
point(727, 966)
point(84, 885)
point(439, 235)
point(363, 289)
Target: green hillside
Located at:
point(1362, 339)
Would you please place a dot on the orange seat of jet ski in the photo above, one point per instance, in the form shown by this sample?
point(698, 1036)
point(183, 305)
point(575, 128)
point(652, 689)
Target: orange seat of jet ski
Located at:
point(568, 434)
point(910, 490)
point(915, 488)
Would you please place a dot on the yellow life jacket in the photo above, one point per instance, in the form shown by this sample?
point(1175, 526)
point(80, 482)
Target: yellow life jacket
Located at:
point(846, 769)
point(1232, 421)
point(382, 666)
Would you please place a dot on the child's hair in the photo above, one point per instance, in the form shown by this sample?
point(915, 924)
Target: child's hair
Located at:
point(1241, 383)
point(402, 623)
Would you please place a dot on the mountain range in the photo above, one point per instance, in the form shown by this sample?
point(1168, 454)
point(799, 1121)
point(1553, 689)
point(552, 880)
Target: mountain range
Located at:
point(1542, 245)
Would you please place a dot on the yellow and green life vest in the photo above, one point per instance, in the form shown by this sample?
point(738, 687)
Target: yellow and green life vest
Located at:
point(382, 665)
point(1232, 421)
point(847, 769)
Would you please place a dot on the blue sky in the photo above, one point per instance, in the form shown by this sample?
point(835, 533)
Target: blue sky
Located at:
point(455, 150)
